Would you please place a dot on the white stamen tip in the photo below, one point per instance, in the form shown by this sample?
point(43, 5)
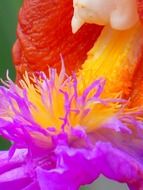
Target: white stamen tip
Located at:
point(76, 24)
point(119, 14)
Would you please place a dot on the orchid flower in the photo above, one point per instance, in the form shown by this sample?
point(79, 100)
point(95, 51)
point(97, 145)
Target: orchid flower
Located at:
point(75, 111)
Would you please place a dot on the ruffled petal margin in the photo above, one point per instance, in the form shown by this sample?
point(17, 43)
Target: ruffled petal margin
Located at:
point(46, 158)
point(74, 167)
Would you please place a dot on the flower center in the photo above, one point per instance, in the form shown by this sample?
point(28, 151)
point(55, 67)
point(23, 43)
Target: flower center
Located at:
point(84, 100)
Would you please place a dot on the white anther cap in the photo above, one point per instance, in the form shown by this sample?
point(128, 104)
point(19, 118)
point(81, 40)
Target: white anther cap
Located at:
point(120, 14)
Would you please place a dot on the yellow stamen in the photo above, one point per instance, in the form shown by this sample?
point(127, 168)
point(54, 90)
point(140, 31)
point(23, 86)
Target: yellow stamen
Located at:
point(45, 114)
point(114, 57)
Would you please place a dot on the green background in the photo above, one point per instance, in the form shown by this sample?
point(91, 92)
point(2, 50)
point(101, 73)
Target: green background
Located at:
point(8, 21)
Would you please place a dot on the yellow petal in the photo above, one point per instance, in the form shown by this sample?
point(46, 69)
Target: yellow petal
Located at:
point(114, 56)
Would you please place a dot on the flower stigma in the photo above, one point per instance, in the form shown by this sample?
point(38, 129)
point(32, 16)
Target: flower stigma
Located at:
point(120, 15)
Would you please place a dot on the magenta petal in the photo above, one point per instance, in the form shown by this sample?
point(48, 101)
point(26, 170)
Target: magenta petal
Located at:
point(73, 170)
point(54, 180)
point(6, 165)
point(136, 186)
point(73, 155)
point(13, 174)
point(15, 184)
point(119, 165)
point(33, 186)
point(77, 167)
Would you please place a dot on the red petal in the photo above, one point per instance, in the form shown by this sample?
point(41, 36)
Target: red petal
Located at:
point(136, 98)
point(140, 9)
point(44, 32)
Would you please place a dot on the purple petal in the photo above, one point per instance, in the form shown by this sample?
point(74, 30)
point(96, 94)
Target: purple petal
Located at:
point(72, 156)
point(80, 167)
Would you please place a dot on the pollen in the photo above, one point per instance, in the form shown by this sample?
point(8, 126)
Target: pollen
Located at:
point(57, 103)
point(46, 101)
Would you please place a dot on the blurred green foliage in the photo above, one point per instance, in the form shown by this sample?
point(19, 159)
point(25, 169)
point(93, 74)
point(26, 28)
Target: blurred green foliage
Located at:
point(8, 20)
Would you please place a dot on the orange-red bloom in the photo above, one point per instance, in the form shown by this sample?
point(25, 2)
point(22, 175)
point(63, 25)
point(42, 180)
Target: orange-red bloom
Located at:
point(72, 128)
point(44, 32)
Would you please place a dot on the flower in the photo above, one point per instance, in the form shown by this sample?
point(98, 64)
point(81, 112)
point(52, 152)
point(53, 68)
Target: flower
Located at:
point(66, 130)
point(64, 138)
